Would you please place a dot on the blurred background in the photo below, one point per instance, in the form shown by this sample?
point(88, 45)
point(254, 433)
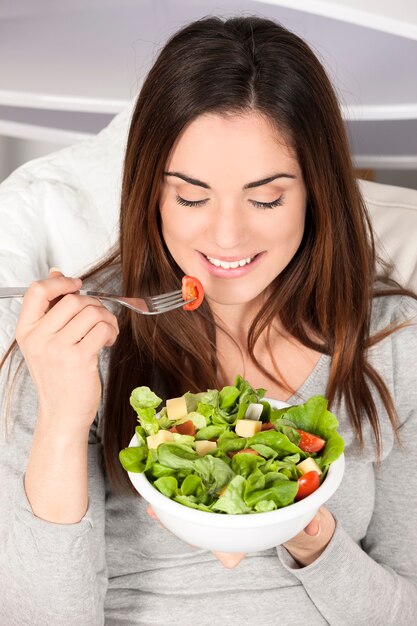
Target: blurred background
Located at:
point(67, 68)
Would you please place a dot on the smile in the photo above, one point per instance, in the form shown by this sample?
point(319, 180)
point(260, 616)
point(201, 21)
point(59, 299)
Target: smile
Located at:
point(229, 265)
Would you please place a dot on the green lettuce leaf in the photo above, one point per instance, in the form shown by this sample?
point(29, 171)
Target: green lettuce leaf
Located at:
point(279, 491)
point(192, 485)
point(144, 398)
point(232, 501)
point(244, 464)
point(167, 485)
point(277, 441)
point(210, 432)
point(140, 436)
point(133, 459)
point(192, 502)
point(228, 396)
point(214, 472)
point(177, 456)
point(313, 417)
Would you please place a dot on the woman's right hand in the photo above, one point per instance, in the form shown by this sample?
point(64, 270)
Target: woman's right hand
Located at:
point(60, 334)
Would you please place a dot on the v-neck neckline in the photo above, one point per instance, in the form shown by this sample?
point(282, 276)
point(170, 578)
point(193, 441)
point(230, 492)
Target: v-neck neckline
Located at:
point(310, 385)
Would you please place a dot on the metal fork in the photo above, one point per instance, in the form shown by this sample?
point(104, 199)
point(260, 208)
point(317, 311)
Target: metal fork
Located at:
point(150, 305)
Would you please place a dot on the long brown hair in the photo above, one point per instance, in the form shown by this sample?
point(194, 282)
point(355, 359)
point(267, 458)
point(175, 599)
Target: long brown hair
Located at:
point(238, 65)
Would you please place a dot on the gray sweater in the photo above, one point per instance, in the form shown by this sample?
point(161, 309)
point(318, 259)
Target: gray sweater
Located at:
point(118, 567)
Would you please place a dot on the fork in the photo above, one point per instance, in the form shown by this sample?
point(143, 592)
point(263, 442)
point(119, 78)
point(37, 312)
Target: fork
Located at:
point(149, 305)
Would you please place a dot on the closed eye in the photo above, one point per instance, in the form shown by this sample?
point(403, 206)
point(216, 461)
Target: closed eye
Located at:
point(191, 203)
point(268, 205)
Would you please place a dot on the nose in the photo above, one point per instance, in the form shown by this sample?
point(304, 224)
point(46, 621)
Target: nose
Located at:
point(229, 228)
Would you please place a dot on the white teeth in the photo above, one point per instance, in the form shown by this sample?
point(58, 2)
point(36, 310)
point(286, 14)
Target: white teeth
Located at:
point(232, 265)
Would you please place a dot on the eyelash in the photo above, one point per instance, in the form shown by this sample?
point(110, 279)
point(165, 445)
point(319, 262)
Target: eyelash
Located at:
point(268, 205)
point(259, 205)
point(191, 203)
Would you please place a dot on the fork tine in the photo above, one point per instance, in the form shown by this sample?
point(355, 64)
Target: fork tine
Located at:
point(167, 304)
point(166, 296)
point(171, 304)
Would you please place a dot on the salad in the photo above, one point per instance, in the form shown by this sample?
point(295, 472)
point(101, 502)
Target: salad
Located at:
point(230, 451)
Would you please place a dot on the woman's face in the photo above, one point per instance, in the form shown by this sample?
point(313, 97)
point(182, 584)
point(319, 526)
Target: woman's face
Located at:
point(232, 205)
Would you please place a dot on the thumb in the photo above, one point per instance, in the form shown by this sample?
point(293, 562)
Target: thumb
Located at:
point(313, 528)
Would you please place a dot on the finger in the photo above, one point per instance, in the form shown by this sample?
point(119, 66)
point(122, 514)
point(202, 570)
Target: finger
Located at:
point(67, 308)
point(102, 335)
point(53, 273)
point(80, 324)
point(153, 515)
point(229, 559)
point(41, 294)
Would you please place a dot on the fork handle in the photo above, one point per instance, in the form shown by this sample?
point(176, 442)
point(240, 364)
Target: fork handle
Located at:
point(12, 292)
point(19, 292)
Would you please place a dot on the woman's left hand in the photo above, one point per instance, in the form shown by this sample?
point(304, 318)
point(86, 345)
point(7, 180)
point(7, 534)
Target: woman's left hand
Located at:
point(305, 547)
point(308, 545)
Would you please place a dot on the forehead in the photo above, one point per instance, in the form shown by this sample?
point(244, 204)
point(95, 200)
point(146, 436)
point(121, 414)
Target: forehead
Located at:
point(248, 143)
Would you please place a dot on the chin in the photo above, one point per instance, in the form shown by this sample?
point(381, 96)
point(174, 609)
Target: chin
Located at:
point(228, 298)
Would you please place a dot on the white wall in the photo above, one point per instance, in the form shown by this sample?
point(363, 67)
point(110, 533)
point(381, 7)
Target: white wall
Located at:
point(15, 152)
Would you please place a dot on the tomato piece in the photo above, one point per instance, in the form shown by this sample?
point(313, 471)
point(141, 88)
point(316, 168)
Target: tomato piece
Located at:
point(308, 483)
point(192, 288)
point(268, 426)
point(310, 443)
point(173, 429)
point(186, 428)
point(232, 453)
point(248, 451)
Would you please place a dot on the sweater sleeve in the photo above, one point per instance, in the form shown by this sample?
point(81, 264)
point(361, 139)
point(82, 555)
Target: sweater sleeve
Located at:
point(54, 574)
point(375, 582)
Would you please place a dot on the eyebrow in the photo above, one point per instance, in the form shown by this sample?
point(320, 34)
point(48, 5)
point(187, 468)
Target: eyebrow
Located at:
point(256, 183)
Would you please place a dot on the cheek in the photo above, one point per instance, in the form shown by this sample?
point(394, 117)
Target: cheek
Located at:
point(288, 232)
point(176, 230)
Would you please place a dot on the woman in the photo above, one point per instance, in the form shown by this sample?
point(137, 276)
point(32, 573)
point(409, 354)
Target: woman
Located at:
point(236, 155)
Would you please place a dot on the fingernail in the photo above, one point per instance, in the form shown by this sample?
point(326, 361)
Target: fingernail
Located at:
point(55, 269)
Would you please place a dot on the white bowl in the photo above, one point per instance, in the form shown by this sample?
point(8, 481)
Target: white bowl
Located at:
point(238, 533)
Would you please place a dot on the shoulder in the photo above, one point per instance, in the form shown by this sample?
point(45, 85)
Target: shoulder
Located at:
point(394, 356)
point(391, 310)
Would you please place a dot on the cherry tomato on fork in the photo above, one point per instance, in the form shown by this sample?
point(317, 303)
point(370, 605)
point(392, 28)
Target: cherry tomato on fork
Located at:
point(192, 288)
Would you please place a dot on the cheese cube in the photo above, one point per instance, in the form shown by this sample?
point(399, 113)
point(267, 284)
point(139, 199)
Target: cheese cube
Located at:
point(247, 428)
point(162, 436)
point(176, 408)
point(254, 411)
point(309, 465)
point(204, 446)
